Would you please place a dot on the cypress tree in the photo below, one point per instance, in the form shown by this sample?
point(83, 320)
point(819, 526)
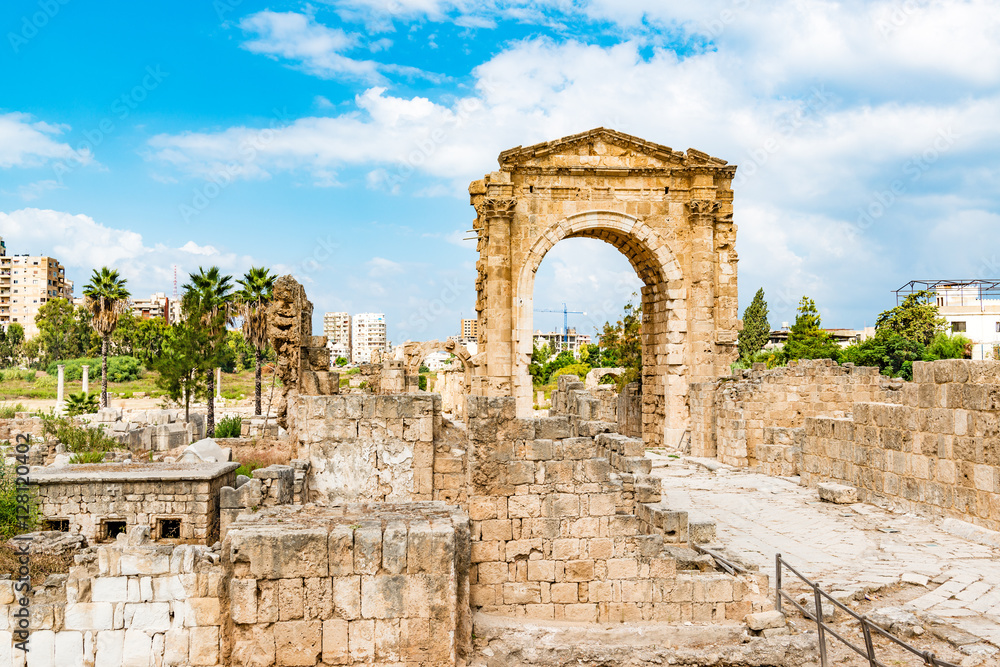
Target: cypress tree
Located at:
point(756, 328)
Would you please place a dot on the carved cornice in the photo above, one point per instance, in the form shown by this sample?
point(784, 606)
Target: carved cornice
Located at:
point(493, 207)
point(703, 206)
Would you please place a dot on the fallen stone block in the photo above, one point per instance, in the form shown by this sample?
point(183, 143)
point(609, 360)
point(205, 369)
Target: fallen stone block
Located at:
point(837, 493)
point(765, 620)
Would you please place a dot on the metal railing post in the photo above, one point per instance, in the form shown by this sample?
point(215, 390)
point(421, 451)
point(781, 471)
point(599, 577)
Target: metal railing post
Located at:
point(777, 581)
point(868, 642)
point(818, 601)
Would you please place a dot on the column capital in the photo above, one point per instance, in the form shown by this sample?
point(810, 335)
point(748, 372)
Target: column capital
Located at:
point(703, 206)
point(492, 207)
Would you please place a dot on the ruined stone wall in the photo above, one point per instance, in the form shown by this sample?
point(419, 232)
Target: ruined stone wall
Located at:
point(139, 494)
point(595, 404)
point(729, 416)
point(555, 536)
point(126, 603)
point(364, 584)
point(367, 447)
point(935, 452)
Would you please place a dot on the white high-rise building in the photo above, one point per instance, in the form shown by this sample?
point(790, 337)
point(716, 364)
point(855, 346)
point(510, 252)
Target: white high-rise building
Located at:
point(368, 334)
point(337, 329)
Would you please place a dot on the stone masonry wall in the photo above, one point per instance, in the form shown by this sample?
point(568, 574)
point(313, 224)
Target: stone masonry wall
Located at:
point(367, 447)
point(554, 534)
point(383, 584)
point(128, 603)
point(936, 452)
point(729, 416)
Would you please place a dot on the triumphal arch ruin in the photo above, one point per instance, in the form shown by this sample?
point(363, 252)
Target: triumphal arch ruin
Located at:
point(668, 212)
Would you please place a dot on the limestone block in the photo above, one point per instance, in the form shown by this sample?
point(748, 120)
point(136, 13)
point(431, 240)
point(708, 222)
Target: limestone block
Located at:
point(148, 616)
point(837, 493)
point(204, 646)
point(110, 645)
point(765, 620)
point(335, 642)
point(298, 642)
point(89, 616)
point(701, 531)
point(175, 646)
point(243, 600)
point(68, 649)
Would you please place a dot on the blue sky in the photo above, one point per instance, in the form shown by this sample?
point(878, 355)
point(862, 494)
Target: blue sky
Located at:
point(335, 140)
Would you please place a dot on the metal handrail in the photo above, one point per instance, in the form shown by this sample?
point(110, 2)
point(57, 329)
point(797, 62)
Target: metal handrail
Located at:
point(822, 628)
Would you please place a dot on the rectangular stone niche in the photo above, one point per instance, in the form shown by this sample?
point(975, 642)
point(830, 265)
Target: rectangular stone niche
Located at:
point(373, 583)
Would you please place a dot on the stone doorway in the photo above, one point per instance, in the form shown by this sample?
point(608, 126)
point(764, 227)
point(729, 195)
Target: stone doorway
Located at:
point(669, 213)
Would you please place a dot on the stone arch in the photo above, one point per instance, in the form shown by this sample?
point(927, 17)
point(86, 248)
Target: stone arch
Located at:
point(668, 212)
point(594, 377)
point(656, 266)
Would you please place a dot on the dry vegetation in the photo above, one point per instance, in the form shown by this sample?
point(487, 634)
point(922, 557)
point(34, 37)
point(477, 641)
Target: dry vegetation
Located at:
point(39, 565)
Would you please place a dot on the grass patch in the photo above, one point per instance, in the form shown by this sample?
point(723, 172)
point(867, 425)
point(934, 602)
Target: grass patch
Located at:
point(8, 410)
point(229, 427)
point(261, 454)
point(39, 566)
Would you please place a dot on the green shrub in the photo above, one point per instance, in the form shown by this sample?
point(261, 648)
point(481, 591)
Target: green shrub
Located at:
point(248, 468)
point(229, 427)
point(422, 383)
point(120, 369)
point(87, 457)
point(46, 382)
point(8, 410)
point(579, 370)
point(28, 375)
point(12, 501)
point(81, 404)
point(78, 439)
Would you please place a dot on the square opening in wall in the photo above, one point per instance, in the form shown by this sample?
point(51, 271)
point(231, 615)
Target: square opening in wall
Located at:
point(112, 528)
point(168, 529)
point(61, 525)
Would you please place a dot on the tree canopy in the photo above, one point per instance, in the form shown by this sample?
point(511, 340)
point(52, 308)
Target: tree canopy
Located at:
point(756, 328)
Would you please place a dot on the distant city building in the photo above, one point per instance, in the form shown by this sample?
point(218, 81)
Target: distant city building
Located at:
point(368, 334)
point(157, 305)
point(469, 330)
point(437, 361)
point(337, 329)
point(844, 337)
point(176, 314)
point(562, 342)
point(971, 308)
point(27, 282)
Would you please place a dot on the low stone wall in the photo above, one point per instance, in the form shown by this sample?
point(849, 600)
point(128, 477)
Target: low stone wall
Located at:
point(729, 416)
point(87, 496)
point(349, 585)
point(126, 603)
point(572, 398)
point(367, 447)
point(936, 452)
point(555, 534)
point(149, 430)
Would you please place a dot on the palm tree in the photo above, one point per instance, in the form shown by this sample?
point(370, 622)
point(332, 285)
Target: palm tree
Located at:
point(208, 300)
point(106, 299)
point(257, 290)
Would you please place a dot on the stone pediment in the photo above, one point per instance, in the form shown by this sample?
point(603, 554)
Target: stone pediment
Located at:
point(603, 148)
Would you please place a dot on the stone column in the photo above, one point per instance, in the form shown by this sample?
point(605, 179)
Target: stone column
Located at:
point(701, 304)
point(60, 388)
point(497, 214)
point(218, 384)
point(86, 378)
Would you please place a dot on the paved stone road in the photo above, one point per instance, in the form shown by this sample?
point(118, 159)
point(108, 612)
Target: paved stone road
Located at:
point(843, 547)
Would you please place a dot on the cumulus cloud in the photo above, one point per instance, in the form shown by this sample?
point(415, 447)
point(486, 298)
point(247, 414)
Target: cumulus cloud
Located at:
point(856, 126)
point(82, 244)
point(25, 142)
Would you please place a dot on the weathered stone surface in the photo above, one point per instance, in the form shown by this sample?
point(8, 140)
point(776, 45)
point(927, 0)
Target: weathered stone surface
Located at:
point(764, 620)
point(837, 493)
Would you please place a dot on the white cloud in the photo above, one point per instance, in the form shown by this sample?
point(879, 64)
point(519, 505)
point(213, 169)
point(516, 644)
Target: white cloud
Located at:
point(35, 190)
point(318, 49)
point(380, 267)
point(82, 244)
point(28, 143)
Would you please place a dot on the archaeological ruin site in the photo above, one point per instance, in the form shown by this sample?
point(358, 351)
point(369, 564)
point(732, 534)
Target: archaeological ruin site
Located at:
point(464, 527)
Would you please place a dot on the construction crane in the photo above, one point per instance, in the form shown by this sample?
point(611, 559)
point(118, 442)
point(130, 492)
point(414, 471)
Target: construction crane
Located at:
point(566, 313)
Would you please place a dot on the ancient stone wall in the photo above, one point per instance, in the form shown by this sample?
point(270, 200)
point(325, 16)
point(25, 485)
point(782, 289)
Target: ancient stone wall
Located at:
point(126, 603)
point(554, 534)
point(87, 496)
point(572, 398)
point(365, 584)
point(935, 452)
point(729, 416)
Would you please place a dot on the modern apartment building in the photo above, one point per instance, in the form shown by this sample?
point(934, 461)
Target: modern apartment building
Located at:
point(28, 282)
point(972, 308)
point(337, 329)
point(157, 305)
point(368, 334)
point(469, 330)
point(560, 342)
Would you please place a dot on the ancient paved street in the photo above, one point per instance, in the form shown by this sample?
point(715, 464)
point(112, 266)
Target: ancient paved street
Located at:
point(843, 547)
